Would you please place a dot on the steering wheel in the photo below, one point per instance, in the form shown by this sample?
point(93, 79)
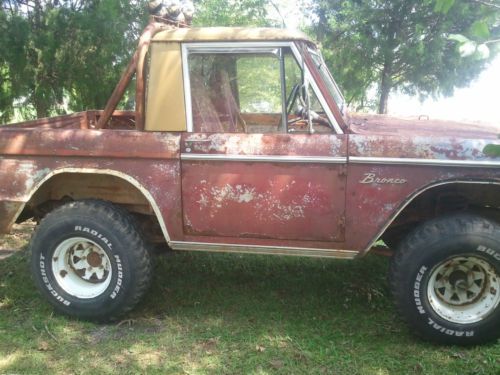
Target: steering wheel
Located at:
point(290, 102)
point(301, 112)
point(292, 97)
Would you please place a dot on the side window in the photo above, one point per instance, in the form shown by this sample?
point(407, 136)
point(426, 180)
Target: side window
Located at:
point(259, 84)
point(235, 93)
point(243, 92)
point(214, 94)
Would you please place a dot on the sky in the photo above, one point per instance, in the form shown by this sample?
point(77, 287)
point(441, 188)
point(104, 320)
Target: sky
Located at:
point(480, 102)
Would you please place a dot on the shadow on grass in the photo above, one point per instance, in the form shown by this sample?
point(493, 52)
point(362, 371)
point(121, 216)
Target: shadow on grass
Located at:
point(217, 313)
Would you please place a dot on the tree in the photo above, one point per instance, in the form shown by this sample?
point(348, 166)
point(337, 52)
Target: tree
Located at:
point(399, 45)
point(59, 55)
point(13, 35)
point(231, 13)
point(479, 43)
point(68, 55)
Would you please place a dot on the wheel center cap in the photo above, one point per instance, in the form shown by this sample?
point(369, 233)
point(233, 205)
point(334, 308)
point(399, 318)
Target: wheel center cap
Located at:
point(458, 279)
point(94, 259)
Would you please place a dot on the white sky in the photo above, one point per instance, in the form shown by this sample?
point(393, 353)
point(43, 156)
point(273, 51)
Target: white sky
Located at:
point(480, 102)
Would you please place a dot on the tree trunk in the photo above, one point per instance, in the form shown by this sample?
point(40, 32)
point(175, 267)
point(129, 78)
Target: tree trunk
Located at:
point(385, 88)
point(322, 28)
point(41, 108)
point(39, 101)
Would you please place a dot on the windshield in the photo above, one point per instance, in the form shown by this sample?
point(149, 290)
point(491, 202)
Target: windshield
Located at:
point(328, 79)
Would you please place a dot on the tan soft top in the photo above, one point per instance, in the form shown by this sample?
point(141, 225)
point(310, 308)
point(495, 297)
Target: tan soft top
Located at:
point(214, 34)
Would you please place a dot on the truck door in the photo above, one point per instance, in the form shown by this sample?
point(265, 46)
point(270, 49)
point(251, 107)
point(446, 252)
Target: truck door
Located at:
point(253, 166)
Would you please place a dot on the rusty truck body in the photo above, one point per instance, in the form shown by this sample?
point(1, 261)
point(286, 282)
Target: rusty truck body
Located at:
point(240, 142)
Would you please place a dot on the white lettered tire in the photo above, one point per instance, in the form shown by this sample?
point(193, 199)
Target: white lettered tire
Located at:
point(445, 277)
point(89, 260)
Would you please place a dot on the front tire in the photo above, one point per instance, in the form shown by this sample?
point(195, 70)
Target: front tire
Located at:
point(445, 278)
point(90, 261)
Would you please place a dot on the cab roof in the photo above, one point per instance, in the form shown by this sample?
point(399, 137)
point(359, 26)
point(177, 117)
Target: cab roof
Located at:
point(214, 34)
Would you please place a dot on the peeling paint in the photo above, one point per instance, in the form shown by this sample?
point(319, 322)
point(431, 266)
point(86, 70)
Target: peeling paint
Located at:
point(265, 144)
point(218, 196)
point(418, 147)
point(269, 206)
point(34, 177)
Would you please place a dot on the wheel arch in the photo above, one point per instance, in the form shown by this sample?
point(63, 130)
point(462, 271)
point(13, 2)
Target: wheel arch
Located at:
point(140, 193)
point(480, 196)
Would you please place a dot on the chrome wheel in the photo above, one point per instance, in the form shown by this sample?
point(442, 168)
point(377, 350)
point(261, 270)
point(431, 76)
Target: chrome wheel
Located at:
point(81, 268)
point(464, 289)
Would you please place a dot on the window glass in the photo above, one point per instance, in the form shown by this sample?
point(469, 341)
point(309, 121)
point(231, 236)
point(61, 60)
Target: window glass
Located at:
point(214, 99)
point(242, 92)
point(259, 83)
point(234, 93)
point(328, 79)
point(293, 73)
point(296, 103)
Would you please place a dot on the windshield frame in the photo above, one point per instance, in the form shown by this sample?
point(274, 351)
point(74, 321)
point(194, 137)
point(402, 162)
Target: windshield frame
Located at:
point(322, 75)
point(322, 68)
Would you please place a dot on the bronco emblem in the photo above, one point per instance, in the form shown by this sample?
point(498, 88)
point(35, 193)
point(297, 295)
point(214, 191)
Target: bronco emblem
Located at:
point(371, 178)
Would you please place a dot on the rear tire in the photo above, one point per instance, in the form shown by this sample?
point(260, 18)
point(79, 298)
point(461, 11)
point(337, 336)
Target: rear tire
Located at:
point(90, 261)
point(445, 278)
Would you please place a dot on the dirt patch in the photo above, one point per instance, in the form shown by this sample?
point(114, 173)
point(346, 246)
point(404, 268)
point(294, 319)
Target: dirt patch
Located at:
point(17, 240)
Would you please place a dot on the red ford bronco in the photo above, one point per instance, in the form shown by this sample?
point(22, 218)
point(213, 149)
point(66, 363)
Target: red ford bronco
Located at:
point(240, 142)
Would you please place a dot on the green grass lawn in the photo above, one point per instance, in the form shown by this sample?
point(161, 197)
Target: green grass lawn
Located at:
point(231, 314)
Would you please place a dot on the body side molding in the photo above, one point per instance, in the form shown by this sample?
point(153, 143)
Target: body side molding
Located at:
point(257, 249)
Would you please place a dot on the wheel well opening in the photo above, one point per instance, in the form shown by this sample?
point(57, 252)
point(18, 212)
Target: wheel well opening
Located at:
point(482, 199)
point(67, 187)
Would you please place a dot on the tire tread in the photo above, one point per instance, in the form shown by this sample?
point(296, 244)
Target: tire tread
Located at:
point(125, 224)
point(420, 238)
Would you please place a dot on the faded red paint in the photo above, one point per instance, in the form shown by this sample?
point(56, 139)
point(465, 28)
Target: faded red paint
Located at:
point(30, 156)
point(265, 144)
point(370, 124)
point(371, 206)
point(287, 201)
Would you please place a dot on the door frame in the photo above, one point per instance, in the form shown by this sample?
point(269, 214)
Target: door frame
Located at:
point(247, 47)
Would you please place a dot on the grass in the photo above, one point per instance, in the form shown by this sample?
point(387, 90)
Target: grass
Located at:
point(230, 314)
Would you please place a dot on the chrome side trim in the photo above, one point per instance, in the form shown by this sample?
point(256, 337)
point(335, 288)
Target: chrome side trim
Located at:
point(417, 161)
point(412, 198)
point(266, 158)
point(27, 197)
point(257, 249)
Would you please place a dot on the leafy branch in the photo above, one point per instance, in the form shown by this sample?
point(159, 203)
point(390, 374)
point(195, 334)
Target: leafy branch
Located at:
point(487, 3)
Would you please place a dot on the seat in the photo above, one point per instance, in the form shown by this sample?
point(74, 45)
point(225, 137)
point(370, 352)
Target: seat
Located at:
point(205, 117)
point(226, 106)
